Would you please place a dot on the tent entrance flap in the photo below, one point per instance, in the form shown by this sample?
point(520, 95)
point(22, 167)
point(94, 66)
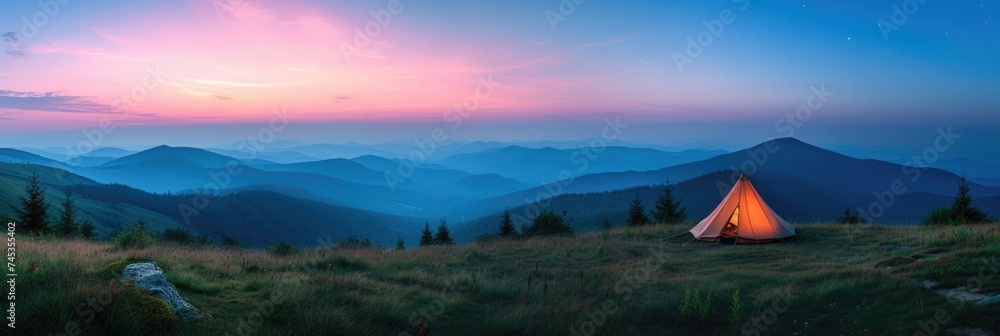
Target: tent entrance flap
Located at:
point(731, 230)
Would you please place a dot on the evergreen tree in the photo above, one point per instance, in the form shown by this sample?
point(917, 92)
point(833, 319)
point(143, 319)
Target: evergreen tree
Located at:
point(67, 220)
point(34, 212)
point(962, 209)
point(607, 224)
point(669, 210)
point(637, 213)
point(548, 223)
point(426, 237)
point(443, 237)
point(507, 225)
point(87, 229)
point(400, 244)
point(850, 218)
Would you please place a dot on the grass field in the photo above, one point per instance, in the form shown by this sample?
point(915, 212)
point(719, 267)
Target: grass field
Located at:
point(843, 280)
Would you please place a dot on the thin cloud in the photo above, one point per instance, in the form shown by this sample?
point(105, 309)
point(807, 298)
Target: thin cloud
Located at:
point(232, 83)
point(11, 40)
point(52, 102)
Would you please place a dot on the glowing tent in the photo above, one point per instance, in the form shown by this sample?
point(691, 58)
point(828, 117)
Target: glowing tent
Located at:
point(743, 217)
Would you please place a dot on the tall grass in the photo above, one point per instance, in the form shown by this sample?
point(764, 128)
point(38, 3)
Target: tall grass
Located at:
point(823, 281)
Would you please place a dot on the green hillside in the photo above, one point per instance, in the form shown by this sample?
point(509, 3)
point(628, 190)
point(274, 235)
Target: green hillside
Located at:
point(107, 217)
point(831, 280)
point(259, 218)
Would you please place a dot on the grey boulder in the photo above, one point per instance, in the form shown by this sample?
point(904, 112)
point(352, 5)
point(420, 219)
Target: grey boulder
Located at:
point(148, 277)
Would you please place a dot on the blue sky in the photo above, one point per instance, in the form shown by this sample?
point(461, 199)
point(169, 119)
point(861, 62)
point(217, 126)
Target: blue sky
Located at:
point(228, 67)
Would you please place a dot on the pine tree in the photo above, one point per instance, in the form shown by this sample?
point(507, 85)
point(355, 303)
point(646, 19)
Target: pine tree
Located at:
point(67, 220)
point(443, 237)
point(87, 229)
point(400, 244)
point(962, 209)
point(669, 210)
point(426, 237)
point(507, 225)
point(607, 224)
point(34, 212)
point(637, 213)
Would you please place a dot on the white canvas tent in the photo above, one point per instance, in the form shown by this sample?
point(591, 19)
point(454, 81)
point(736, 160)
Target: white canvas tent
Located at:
point(744, 217)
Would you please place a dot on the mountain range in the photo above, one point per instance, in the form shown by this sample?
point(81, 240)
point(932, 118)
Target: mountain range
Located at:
point(386, 198)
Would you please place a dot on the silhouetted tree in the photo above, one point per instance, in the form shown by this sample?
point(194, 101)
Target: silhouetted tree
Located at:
point(426, 237)
point(669, 210)
point(962, 209)
point(67, 220)
point(400, 244)
point(637, 213)
point(34, 211)
point(548, 223)
point(507, 225)
point(851, 218)
point(443, 237)
point(607, 224)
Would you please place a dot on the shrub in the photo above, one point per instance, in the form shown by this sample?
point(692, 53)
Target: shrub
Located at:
point(851, 218)
point(548, 223)
point(136, 237)
point(229, 242)
point(355, 242)
point(283, 249)
point(940, 216)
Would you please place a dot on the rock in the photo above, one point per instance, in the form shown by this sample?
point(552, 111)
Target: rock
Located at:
point(988, 301)
point(148, 277)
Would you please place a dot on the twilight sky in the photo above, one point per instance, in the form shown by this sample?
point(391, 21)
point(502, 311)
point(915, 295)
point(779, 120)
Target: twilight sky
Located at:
point(184, 67)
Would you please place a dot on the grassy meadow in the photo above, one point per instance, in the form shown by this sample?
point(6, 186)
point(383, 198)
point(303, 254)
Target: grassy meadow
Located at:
point(844, 280)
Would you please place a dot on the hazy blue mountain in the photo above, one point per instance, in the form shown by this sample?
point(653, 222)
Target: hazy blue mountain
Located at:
point(278, 156)
point(339, 168)
point(173, 156)
point(114, 152)
point(833, 173)
point(977, 171)
point(330, 151)
point(798, 201)
point(790, 156)
point(10, 155)
point(442, 179)
point(175, 169)
point(89, 161)
point(543, 165)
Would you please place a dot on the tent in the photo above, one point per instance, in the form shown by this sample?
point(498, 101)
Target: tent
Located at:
point(743, 217)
